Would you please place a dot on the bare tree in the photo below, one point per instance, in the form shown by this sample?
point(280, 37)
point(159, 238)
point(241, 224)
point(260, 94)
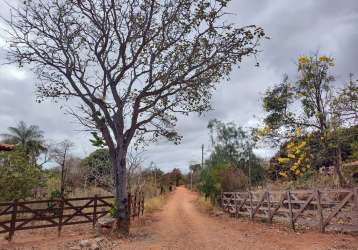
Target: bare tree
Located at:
point(133, 64)
point(60, 154)
point(344, 113)
point(345, 104)
point(134, 170)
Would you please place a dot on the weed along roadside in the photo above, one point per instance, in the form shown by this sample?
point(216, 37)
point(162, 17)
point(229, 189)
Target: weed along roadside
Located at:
point(154, 204)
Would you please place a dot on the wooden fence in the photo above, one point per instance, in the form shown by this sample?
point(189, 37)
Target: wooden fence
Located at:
point(24, 215)
point(333, 210)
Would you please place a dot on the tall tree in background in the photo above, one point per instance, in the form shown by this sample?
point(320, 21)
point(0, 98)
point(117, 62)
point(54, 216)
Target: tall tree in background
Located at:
point(344, 113)
point(30, 138)
point(176, 176)
point(98, 167)
point(133, 64)
point(233, 145)
point(345, 104)
point(60, 154)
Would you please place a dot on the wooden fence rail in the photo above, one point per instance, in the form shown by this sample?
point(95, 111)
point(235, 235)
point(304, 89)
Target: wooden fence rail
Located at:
point(335, 210)
point(24, 215)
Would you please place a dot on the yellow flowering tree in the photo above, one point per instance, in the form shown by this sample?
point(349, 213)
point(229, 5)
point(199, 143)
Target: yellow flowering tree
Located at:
point(309, 102)
point(296, 159)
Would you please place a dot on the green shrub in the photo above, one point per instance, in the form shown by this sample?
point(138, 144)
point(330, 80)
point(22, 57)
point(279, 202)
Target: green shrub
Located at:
point(18, 177)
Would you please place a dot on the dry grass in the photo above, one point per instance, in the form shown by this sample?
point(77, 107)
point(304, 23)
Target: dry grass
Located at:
point(154, 204)
point(205, 205)
point(89, 191)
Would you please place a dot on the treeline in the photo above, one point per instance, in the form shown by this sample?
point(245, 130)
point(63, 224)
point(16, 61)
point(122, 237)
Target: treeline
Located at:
point(39, 169)
point(233, 147)
point(311, 123)
point(232, 164)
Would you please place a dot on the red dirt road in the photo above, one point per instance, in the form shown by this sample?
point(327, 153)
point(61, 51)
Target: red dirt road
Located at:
point(180, 225)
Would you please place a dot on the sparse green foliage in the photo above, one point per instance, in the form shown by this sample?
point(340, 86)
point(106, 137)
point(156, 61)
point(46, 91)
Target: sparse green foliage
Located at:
point(98, 167)
point(276, 102)
point(18, 177)
point(220, 178)
point(232, 161)
point(235, 146)
point(97, 141)
point(304, 103)
point(354, 146)
point(345, 104)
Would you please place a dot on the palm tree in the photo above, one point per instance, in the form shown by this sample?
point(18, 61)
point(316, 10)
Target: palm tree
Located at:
point(29, 138)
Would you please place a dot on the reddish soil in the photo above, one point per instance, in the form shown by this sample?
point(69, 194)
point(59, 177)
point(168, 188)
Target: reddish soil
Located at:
point(180, 225)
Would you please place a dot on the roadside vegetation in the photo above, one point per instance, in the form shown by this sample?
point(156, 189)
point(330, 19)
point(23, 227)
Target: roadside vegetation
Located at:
point(40, 169)
point(154, 204)
point(205, 205)
point(311, 123)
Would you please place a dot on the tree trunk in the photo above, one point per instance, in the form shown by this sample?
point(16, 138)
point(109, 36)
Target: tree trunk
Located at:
point(120, 181)
point(338, 167)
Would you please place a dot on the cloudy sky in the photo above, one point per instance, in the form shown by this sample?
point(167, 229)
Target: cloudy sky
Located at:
point(295, 27)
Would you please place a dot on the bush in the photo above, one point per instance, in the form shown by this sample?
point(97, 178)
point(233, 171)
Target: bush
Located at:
point(18, 177)
point(204, 205)
point(222, 177)
point(233, 179)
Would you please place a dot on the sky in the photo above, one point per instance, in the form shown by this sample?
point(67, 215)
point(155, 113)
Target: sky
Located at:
point(295, 28)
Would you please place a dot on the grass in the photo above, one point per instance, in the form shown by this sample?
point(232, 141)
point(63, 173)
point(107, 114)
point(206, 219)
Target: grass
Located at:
point(154, 204)
point(89, 191)
point(205, 205)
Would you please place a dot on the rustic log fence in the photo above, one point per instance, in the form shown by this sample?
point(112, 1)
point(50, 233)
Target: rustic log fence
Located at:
point(327, 210)
point(25, 215)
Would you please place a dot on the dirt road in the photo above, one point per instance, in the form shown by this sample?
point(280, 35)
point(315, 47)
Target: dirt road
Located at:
point(182, 226)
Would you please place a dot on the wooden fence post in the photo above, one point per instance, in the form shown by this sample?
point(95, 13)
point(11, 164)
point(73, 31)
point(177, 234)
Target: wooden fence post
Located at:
point(134, 205)
point(236, 197)
point(129, 206)
point(143, 201)
point(355, 206)
point(94, 211)
point(269, 206)
point(251, 208)
point(290, 210)
point(139, 203)
point(319, 211)
point(13, 220)
point(229, 204)
point(60, 216)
